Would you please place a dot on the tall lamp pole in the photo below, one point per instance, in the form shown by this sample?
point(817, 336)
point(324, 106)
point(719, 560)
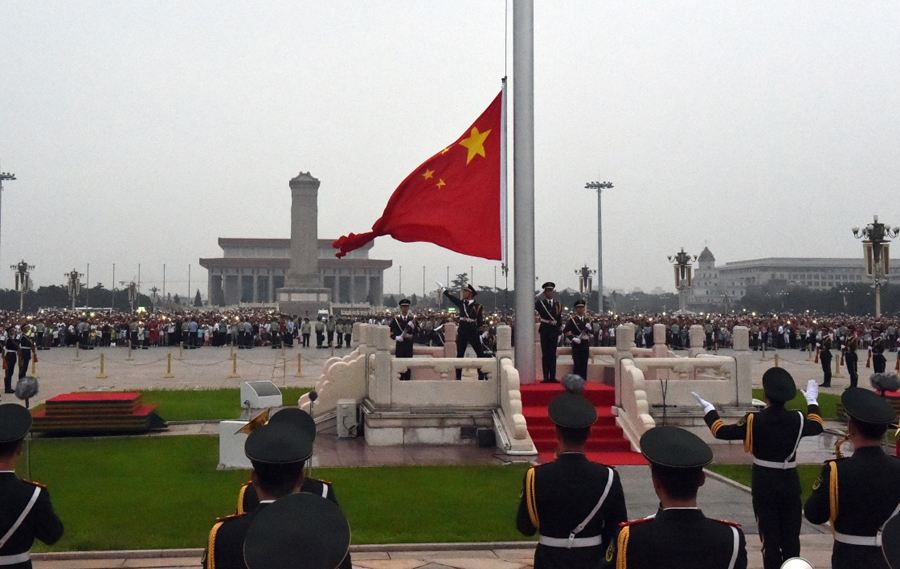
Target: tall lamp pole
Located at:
point(599, 186)
point(682, 263)
point(5, 176)
point(584, 280)
point(23, 280)
point(875, 237)
point(74, 285)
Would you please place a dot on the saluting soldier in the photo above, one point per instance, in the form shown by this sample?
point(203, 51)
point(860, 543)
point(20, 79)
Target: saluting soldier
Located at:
point(26, 512)
point(403, 330)
point(579, 331)
point(679, 536)
point(549, 314)
point(772, 436)
point(471, 320)
point(858, 494)
point(575, 504)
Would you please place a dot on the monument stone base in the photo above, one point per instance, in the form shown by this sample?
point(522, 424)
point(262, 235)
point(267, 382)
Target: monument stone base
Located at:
point(303, 302)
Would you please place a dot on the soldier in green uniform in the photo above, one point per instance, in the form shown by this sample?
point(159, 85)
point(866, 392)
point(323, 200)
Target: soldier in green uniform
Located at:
point(26, 513)
point(857, 495)
point(575, 504)
point(772, 436)
point(679, 536)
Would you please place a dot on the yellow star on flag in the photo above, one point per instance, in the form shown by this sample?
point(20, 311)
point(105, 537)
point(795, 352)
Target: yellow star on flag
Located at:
point(475, 143)
point(441, 183)
point(428, 174)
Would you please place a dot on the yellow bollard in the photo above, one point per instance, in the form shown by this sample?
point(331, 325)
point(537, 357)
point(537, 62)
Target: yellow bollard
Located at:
point(299, 365)
point(837, 367)
point(234, 373)
point(34, 363)
point(102, 373)
point(168, 366)
point(77, 351)
point(777, 363)
point(181, 351)
point(129, 350)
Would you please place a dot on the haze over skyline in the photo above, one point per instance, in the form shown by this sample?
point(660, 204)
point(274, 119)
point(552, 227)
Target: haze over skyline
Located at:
point(140, 133)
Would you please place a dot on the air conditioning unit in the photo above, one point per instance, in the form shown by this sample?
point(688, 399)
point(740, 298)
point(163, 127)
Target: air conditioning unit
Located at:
point(260, 395)
point(347, 419)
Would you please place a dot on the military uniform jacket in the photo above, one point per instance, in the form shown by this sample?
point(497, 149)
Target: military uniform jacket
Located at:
point(557, 497)
point(399, 324)
point(578, 326)
point(471, 314)
point(679, 538)
point(41, 522)
point(225, 546)
point(857, 495)
point(548, 311)
point(771, 436)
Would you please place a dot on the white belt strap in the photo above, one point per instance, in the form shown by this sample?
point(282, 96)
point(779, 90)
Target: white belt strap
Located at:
point(787, 464)
point(870, 540)
point(14, 559)
point(324, 490)
point(21, 518)
point(573, 541)
point(735, 545)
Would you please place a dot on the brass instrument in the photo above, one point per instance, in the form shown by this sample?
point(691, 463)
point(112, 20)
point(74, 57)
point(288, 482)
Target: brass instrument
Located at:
point(256, 422)
point(838, 453)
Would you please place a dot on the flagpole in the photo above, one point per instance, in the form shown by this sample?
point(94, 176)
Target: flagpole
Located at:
point(523, 184)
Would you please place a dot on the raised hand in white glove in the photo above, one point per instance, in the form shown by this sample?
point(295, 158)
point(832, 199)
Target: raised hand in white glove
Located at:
point(812, 392)
point(707, 406)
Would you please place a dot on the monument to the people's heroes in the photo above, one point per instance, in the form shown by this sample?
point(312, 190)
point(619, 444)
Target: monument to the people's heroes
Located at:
point(303, 293)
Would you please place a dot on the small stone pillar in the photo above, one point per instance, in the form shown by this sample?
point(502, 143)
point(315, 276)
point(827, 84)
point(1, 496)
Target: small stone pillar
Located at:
point(660, 349)
point(698, 339)
point(740, 338)
point(355, 335)
point(450, 340)
point(380, 381)
point(538, 367)
point(624, 345)
point(504, 342)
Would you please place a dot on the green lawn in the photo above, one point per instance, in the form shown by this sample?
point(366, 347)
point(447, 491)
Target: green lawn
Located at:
point(204, 404)
point(827, 403)
point(135, 493)
point(741, 473)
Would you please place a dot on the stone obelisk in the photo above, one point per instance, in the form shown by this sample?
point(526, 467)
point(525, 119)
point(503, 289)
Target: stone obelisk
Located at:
point(303, 294)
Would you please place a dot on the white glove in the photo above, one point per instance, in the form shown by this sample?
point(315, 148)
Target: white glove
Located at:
point(707, 406)
point(812, 392)
point(484, 336)
point(576, 340)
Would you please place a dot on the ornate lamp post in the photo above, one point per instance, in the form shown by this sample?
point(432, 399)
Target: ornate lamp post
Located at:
point(23, 280)
point(585, 280)
point(131, 287)
point(683, 275)
point(74, 284)
point(599, 186)
point(5, 176)
point(875, 237)
point(844, 291)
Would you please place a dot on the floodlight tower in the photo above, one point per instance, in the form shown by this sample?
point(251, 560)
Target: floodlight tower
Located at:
point(599, 186)
point(875, 237)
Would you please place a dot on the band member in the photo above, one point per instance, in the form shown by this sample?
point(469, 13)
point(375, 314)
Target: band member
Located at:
point(825, 358)
point(579, 331)
point(548, 311)
point(471, 320)
point(403, 330)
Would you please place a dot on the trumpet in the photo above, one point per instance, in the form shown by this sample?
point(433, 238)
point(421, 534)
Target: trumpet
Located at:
point(838, 453)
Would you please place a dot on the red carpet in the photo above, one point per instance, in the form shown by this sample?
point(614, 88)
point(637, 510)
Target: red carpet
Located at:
point(606, 444)
point(96, 412)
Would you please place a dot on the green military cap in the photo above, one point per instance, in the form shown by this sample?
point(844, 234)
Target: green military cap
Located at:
point(778, 385)
point(890, 542)
point(15, 421)
point(572, 411)
point(281, 443)
point(867, 407)
point(296, 418)
point(675, 447)
point(298, 531)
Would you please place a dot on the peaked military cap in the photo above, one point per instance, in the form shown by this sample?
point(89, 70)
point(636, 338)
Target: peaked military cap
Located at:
point(471, 289)
point(572, 411)
point(864, 405)
point(281, 443)
point(15, 421)
point(404, 302)
point(778, 385)
point(675, 447)
point(550, 285)
point(890, 542)
point(297, 531)
point(578, 303)
point(296, 418)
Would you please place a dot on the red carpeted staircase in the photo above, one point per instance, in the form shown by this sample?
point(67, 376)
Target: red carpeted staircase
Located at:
point(606, 444)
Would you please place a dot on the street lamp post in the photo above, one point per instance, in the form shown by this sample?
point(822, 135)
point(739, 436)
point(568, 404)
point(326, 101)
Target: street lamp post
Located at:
point(5, 176)
point(23, 280)
point(585, 278)
point(74, 284)
point(844, 291)
point(683, 277)
point(875, 237)
point(599, 186)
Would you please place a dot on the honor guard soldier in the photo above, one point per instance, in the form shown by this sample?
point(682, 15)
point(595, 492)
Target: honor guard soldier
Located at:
point(890, 542)
point(825, 358)
point(26, 513)
point(299, 530)
point(549, 314)
point(10, 357)
point(878, 360)
point(679, 536)
point(772, 436)
point(471, 320)
point(403, 330)
point(26, 351)
point(579, 331)
point(575, 504)
point(857, 495)
point(851, 358)
point(302, 422)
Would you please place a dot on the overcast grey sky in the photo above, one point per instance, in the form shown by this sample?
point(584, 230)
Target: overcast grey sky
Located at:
point(142, 131)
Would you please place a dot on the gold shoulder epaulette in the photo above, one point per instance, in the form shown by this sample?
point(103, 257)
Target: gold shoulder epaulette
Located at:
point(635, 522)
point(230, 517)
point(727, 523)
point(35, 483)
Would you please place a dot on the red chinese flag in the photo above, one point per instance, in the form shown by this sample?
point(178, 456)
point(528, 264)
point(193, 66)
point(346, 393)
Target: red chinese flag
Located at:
point(452, 199)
